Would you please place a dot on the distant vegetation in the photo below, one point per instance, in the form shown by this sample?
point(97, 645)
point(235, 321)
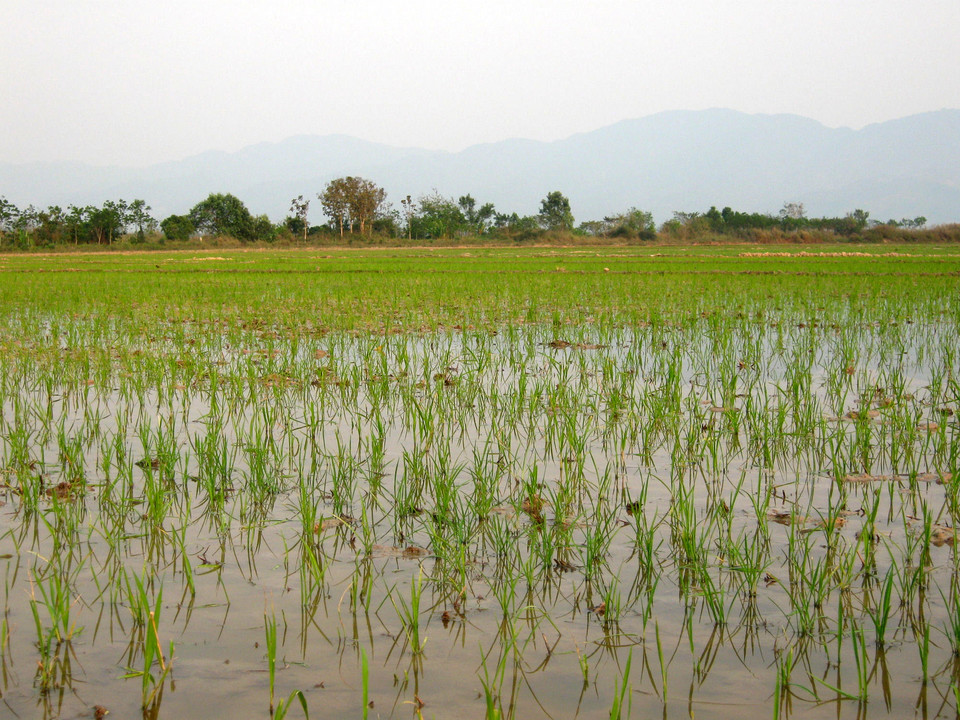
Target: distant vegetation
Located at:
point(358, 212)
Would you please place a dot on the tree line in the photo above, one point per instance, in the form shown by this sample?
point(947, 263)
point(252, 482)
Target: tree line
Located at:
point(356, 209)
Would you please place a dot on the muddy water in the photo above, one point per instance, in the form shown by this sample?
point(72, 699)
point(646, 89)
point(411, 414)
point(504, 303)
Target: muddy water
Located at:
point(541, 630)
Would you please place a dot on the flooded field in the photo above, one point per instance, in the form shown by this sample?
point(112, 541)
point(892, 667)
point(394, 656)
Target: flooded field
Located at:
point(496, 484)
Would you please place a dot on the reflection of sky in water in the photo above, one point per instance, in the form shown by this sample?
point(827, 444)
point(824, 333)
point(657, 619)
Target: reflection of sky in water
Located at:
point(657, 406)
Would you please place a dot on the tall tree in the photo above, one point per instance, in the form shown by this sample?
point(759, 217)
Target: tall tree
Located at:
point(409, 211)
point(335, 200)
point(478, 219)
point(367, 203)
point(8, 215)
point(138, 214)
point(300, 209)
point(353, 201)
point(632, 223)
point(555, 212)
point(76, 217)
point(105, 222)
point(439, 217)
point(178, 227)
point(223, 214)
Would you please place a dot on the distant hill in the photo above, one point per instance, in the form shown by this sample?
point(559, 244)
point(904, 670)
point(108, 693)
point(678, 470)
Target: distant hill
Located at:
point(680, 160)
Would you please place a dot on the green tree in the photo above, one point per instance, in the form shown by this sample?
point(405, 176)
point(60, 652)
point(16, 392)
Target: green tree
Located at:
point(178, 227)
point(555, 212)
point(335, 201)
point(860, 219)
point(409, 212)
point(223, 214)
point(138, 214)
point(26, 219)
point(353, 201)
point(478, 220)
point(262, 230)
point(50, 226)
point(8, 215)
point(106, 222)
point(686, 225)
point(438, 217)
point(633, 223)
point(300, 209)
point(367, 204)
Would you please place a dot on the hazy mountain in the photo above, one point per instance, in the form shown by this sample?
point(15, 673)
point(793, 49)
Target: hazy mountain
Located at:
point(683, 160)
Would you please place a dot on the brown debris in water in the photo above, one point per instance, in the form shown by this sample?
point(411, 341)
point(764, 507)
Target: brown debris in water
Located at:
point(563, 345)
point(533, 506)
point(786, 517)
point(926, 477)
point(62, 490)
point(333, 522)
point(411, 552)
point(941, 535)
point(861, 414)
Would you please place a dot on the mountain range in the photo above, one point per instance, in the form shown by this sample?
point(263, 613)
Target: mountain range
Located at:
point(677, 160)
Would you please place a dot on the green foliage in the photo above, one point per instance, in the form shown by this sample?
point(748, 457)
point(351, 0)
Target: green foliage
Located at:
point(138, 215)
point(356, 205)
point(631, 225)
point(298, 223)
point(477, 220)
point(353, 202)
point(686, 225)
point(263, 229)
point(223, 214)
point(437, 217)
point(107, 223)
point(8, 215)
point(555, 212)
point(178, 227)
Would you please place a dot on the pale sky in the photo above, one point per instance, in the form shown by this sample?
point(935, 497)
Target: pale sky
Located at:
point(132, 82)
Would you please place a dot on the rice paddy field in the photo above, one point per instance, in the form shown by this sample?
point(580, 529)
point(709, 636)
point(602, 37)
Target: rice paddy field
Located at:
point(713, 482)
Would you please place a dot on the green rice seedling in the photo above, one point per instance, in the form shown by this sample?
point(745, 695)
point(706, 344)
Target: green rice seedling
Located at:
point(364, 682)
point(505, 589)
point(270, 630)
point(180, 541)
point(596, 542)
point(748, 555)
point(492, 687)
point(282, 706)
point(611, 604)
point(664, 668)
point(152, 653)
point(621, 692)
point(880, 612)
point(409, 614)
point(714, 598)
point(952, 623)
point(923, 648)
point(56, 598)
point(584, 661)
point(861, 662)
point(781, 690)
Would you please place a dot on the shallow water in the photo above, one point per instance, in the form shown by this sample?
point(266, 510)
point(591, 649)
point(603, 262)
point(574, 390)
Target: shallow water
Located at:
point(498, 474)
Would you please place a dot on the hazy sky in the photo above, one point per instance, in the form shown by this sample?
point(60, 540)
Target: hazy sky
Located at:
point(131, 82)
